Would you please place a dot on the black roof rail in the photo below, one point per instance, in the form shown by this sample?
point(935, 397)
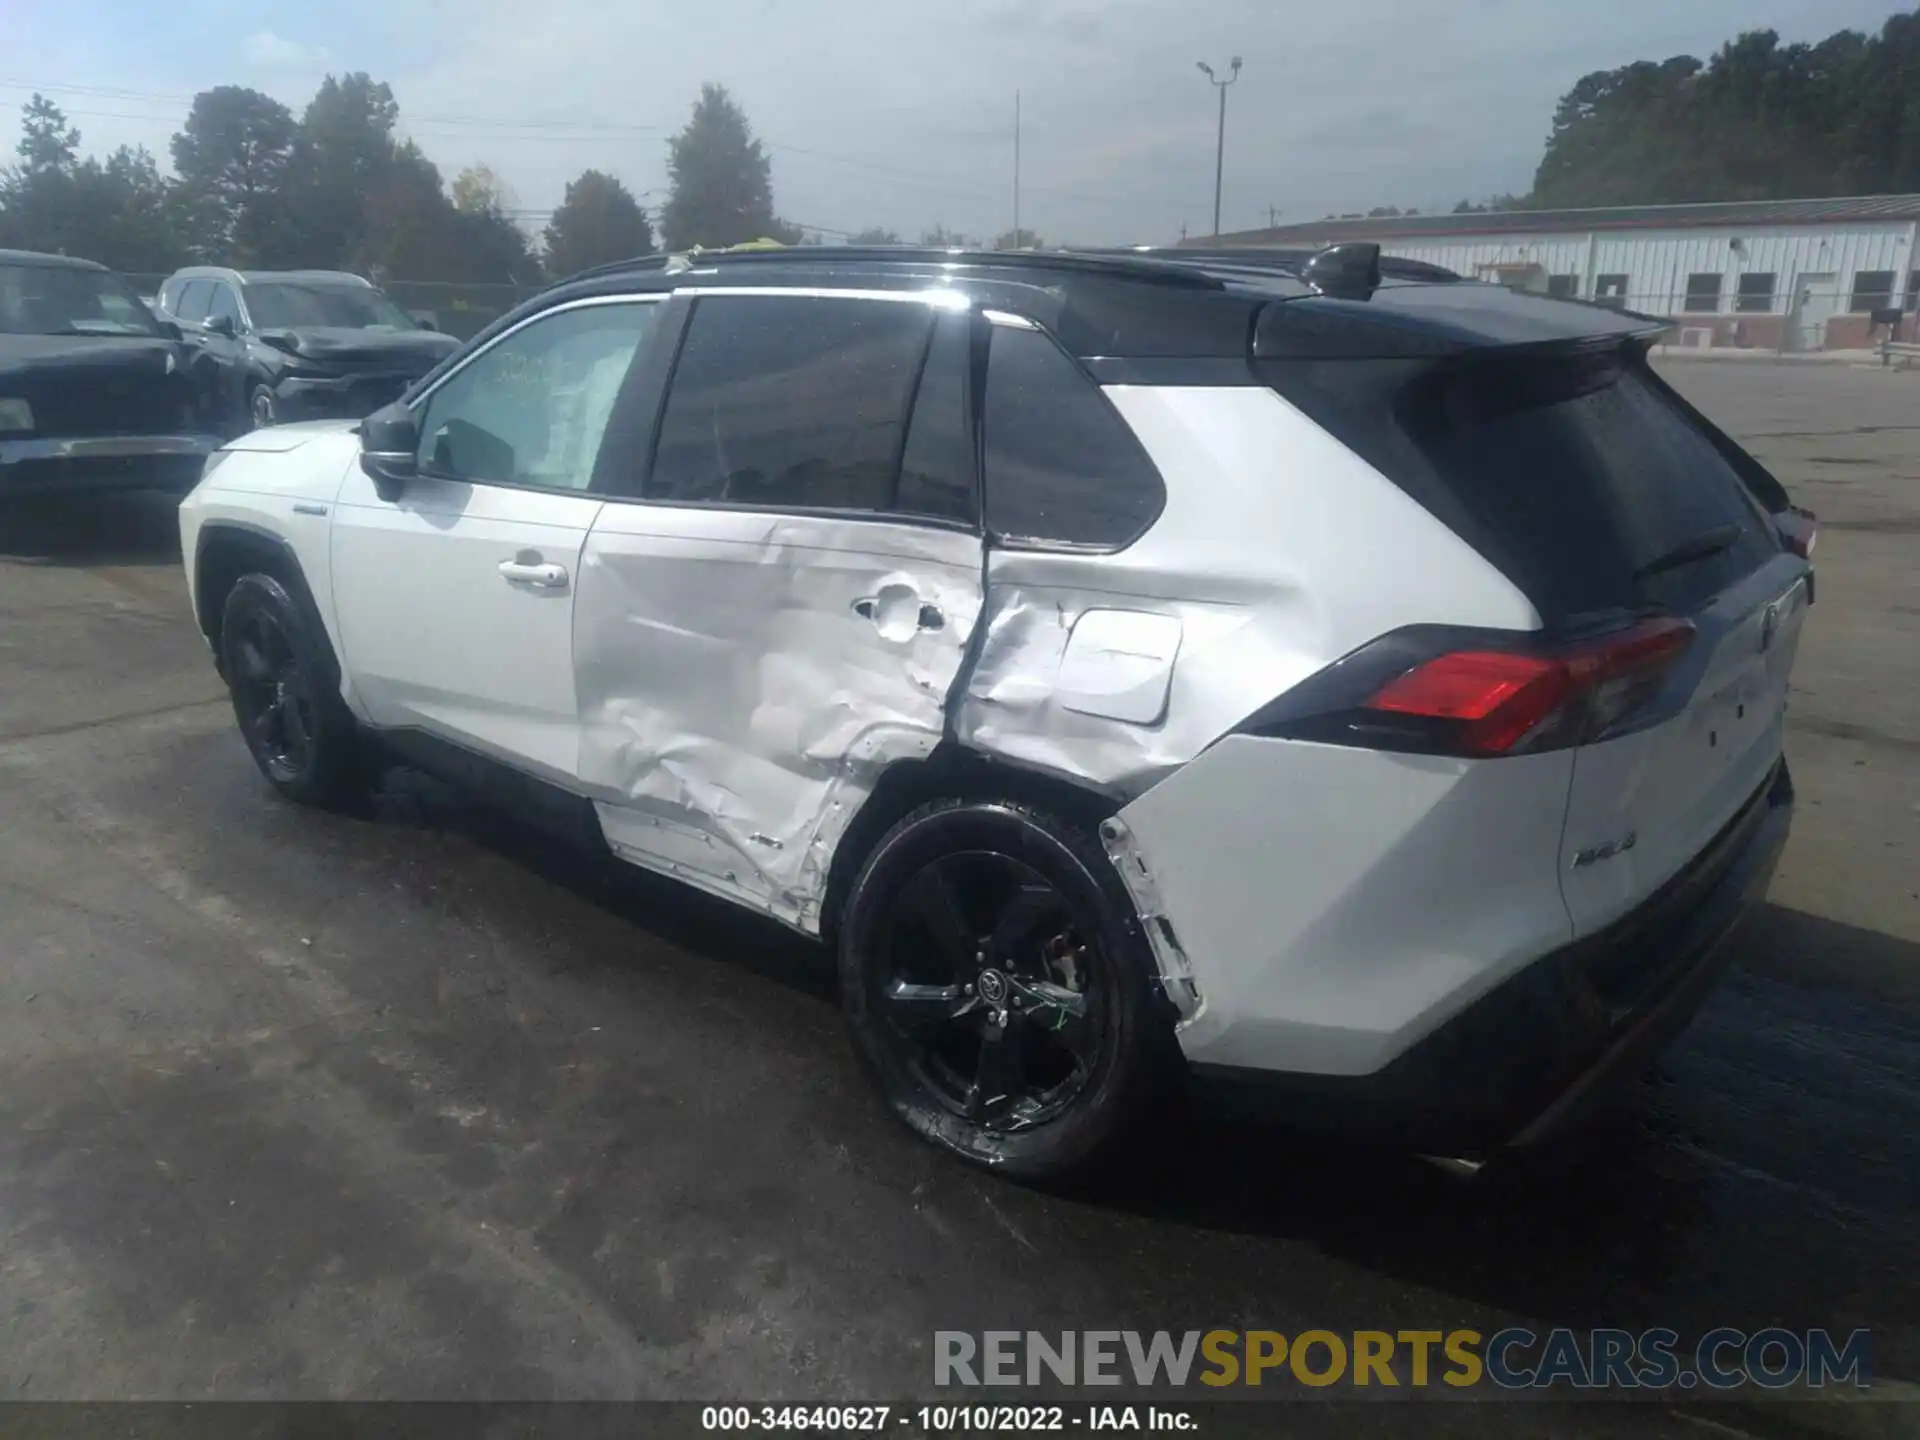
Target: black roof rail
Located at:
point(617, 267)
point(1158, 268)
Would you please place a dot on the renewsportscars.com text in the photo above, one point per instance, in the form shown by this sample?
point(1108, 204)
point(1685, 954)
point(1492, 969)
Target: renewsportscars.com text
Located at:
point(1512, 1359)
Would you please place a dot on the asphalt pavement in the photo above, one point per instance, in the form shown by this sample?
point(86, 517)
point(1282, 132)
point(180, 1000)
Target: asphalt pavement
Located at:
point(414, 1104)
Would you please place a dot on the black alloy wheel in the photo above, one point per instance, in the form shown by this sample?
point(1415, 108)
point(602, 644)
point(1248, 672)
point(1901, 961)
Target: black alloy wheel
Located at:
point(272, 697)
point(988, 990)
point(285, 686)
point(998, 986)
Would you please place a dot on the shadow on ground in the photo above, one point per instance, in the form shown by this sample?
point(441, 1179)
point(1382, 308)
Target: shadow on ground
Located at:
point(1768, 1172)
point(138, 527)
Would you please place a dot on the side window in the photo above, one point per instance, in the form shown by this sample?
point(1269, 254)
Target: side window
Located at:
point(1872, 290)
point(531, 410)
point(194, 296)
point(791, 401)
point(1703, 292)
point(1061, 464)
point(223, 303)
point(936, 469)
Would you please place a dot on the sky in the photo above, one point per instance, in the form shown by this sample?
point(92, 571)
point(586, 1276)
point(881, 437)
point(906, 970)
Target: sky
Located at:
point(901, 113)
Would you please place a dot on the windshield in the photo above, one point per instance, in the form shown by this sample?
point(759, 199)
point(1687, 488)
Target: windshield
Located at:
point(66, 300)
point(291, 305)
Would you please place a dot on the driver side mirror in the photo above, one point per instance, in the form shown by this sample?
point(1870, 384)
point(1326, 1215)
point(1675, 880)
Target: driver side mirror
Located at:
point(390, 449)
point(222, 325)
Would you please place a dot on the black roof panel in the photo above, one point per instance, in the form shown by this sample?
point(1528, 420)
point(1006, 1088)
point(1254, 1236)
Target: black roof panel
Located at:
point(1138, 304)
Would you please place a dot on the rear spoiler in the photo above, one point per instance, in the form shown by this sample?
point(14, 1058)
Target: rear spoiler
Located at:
point(1354, 316)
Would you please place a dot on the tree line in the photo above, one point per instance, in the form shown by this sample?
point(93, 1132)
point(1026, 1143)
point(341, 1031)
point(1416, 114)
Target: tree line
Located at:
point(1758, 121)
point(339, 189)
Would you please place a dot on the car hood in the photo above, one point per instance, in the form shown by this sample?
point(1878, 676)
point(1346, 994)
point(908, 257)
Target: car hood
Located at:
point(104, 384)
point(409, 349)
point(129, 354)
point(278, 439)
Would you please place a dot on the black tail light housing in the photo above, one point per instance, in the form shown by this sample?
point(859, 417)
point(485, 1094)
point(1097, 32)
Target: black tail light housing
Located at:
point(1479, 694)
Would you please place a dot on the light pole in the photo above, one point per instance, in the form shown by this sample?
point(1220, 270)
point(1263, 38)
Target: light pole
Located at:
point(1220, 147)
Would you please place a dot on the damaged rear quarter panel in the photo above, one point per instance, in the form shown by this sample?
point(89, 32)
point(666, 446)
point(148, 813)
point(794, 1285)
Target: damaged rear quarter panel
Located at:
point(745, 677)
point(1279, 550)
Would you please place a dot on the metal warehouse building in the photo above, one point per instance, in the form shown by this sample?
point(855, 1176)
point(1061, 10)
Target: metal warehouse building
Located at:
point(1772, 274)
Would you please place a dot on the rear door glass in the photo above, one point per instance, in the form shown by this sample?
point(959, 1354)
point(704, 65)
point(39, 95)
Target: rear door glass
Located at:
point(790, 402)
point(936, 469)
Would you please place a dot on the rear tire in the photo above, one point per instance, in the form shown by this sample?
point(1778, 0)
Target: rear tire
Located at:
point(998, 986)
point(260, 408)
point(284, 681)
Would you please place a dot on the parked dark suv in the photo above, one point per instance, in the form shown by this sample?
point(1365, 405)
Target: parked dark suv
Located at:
point(301, 344)
point(96, 392)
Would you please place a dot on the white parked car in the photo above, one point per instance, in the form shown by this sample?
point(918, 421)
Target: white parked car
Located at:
point(1355, 693)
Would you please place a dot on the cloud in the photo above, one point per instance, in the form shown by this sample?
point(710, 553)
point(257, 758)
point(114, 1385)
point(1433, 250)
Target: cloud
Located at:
point(269, 51)
point(1373, 102)
point(906, 118)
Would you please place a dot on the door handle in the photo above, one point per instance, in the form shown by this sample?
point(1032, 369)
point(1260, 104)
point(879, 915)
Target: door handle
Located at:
point(540, 576)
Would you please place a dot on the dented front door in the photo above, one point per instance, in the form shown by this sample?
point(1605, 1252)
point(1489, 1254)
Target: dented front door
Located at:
point(744, 678)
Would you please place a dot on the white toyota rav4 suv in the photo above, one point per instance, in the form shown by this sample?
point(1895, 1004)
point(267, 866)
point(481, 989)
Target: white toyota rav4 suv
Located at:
point(1313, 681)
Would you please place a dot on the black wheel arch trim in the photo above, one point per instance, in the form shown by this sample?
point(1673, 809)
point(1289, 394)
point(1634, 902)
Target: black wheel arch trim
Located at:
point(952, 771)
point(213, 531)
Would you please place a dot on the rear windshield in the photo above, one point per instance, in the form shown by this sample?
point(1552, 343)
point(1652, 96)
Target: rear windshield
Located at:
point(1581, 477)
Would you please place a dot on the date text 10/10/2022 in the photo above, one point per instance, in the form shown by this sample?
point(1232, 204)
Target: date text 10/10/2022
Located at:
point(947, 1419)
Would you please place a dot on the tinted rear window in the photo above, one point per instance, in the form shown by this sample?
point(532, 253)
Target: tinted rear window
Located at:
point(791, 401)
point(1579, 476)
point(1061, 465)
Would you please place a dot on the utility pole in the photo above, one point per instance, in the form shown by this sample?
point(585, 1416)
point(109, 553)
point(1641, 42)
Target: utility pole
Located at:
point(1016, 169)
point(1220, 146)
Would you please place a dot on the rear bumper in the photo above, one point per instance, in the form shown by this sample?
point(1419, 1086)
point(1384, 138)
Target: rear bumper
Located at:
point(1531, 1059)
point(57, 465)
point(342, 397)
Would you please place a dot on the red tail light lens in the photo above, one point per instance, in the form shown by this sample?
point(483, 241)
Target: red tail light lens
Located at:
point(1501, 698)
point(1496, 701)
